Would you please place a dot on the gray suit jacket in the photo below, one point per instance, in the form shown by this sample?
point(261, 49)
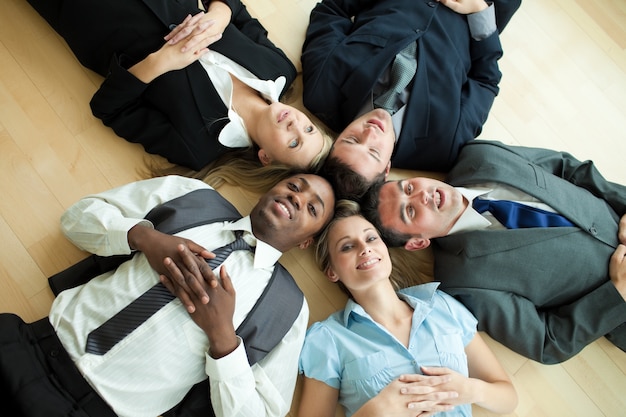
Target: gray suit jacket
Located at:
point(543, 292)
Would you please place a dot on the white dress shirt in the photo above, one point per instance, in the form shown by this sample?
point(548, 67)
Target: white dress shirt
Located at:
point(151, 369)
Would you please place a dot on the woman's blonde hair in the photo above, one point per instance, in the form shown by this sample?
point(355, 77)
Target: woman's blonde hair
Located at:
point(399, 277)
point(241, 167)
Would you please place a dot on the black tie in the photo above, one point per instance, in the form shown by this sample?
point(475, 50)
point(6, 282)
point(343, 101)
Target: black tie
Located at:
point(102, 339)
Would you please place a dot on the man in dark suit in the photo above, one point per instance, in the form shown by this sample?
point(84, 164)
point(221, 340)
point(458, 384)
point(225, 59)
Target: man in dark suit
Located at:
point(348, 60)
point(545, 292)
point(65, 365)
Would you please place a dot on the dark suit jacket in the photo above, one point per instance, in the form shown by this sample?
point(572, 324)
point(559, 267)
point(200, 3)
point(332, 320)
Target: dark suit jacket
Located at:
point(543, 292)
point(179, 115)
point(453, 90)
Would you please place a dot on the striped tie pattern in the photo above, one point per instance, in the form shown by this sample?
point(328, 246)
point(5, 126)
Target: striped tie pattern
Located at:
point(112, 331)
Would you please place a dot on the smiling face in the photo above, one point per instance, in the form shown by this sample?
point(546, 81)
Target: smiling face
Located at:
point(358, 256)
point(293, 211)
point(366, 144)
point(286, 135)
point(420, 207)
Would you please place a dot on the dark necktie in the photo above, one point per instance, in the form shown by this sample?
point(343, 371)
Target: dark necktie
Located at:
point(402, 72)
point(102, 339)
point(515, 215)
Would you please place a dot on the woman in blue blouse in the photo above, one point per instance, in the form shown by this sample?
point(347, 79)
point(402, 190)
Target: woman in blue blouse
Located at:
point(412, 352)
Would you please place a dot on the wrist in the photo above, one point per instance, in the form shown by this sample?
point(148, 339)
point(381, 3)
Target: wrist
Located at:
point(149, 68)
point(137, 235)
point(223, 344)
point(477, 388)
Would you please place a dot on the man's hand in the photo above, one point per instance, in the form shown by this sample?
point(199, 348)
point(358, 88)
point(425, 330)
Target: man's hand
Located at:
point(216, 317)
point(161, 249)
point(621, 231)
point(617, 269)
point(465, 6)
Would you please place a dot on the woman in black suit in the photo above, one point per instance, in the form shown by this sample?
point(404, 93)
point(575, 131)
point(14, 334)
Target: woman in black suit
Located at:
point(169, 91)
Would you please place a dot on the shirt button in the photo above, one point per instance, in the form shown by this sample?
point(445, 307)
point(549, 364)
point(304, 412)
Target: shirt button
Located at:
point(593, 230)
point(431, 4)
point(54, 353)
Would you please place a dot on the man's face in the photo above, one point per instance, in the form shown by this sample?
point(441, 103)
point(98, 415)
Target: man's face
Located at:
point(293, 211)
point(421, 207)
point(366, 144)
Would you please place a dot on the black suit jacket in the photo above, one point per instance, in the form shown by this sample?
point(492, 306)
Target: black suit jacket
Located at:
point(179, 115)
point(543, 292)
point(349, 43)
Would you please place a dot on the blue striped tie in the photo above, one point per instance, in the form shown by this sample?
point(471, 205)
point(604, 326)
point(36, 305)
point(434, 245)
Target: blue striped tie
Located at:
point(112, 331)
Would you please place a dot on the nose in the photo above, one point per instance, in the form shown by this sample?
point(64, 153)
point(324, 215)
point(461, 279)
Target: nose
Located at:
point(365, 248)
point(369, 133)
point(292, 121)
point(417, 198)
point(422, 196)
point(295, 199)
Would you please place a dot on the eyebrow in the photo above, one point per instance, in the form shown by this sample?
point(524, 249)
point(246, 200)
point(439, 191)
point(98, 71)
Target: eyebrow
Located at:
point(367, 229)
point(317, 196)
point(402, 205)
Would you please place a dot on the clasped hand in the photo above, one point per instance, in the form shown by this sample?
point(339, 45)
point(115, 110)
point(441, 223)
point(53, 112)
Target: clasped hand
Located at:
point(213, 313)
point(189, 40)
point(421, 395)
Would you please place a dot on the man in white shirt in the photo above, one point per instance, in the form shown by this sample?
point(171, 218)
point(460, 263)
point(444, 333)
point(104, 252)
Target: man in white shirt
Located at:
point(152, 368)
point(563, 286)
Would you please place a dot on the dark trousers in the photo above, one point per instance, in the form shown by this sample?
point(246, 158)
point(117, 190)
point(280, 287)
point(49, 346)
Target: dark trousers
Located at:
point(37, 376)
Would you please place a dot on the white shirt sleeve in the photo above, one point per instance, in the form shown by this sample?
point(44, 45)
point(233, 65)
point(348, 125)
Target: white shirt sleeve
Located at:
point(100, 223)
point(267, 386)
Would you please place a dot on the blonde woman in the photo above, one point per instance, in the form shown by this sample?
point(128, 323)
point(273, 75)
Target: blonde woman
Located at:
point(189, 80)
point(410, 352)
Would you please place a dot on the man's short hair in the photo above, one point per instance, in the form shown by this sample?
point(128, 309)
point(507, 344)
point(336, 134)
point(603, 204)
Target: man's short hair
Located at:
point(347, 183)
point(369, 209)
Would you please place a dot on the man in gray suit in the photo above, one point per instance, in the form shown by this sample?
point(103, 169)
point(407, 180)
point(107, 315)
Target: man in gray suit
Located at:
point(545, 292)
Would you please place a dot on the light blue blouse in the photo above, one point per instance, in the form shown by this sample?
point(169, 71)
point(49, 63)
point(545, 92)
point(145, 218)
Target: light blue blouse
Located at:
point(352, 353)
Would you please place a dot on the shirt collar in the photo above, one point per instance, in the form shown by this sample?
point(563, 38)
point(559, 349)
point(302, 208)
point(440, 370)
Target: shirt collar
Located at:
point(265, 255)
point(470, 219)
point(419, 297)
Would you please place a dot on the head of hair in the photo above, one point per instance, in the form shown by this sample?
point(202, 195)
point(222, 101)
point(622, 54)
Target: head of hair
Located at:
point(327, 143)
point(400, 278)
point(241, 167)
point(348, 184)
point(369, 206)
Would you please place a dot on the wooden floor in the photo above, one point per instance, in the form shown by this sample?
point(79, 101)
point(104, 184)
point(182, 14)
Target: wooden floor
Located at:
point(564, 87)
